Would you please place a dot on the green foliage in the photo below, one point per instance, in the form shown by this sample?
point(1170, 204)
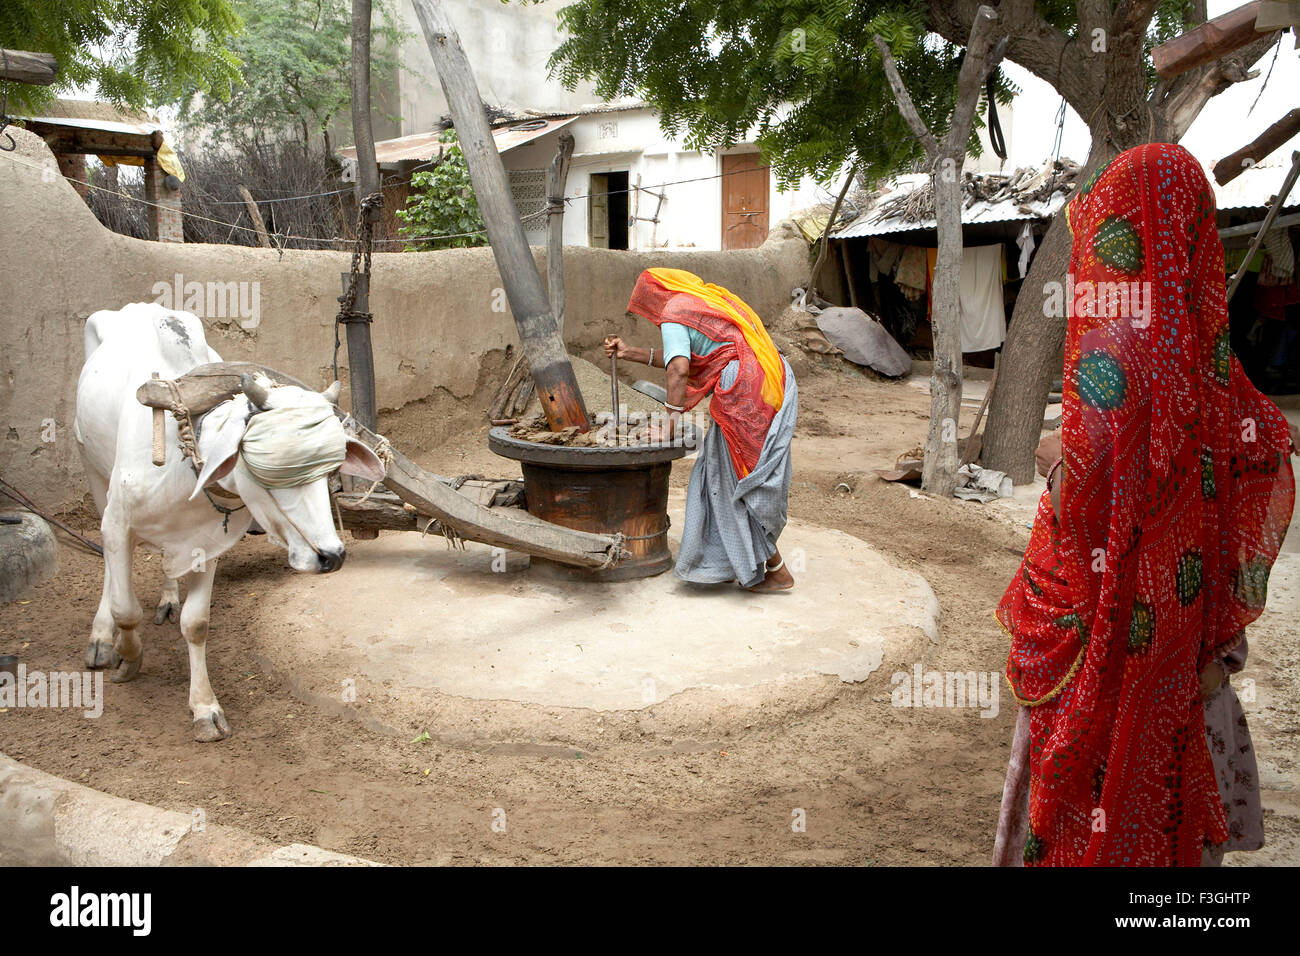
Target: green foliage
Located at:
point(442, 203)
point(801, 77)
point(297, 68)
point(131, 52)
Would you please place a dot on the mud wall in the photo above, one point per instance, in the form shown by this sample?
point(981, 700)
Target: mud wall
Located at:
point(442, 335)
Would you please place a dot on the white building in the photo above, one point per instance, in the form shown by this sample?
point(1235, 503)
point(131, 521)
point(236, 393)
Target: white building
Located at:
point(629, 186)
point(632, 187)
point(625, 173)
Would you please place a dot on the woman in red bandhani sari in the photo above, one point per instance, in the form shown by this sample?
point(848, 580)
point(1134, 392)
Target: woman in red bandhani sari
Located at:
point(715, 345)
point(1151, 550)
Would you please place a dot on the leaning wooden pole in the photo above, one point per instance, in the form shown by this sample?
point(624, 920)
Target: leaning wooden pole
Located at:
point(1234, 164)
point(539, 332)
point(361, 357)
point(1276, 203)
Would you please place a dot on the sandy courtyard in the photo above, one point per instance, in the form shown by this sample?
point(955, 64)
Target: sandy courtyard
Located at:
point(874, 783)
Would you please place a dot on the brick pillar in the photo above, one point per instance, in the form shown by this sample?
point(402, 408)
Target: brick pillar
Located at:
point(73, 167)
point(165, 213)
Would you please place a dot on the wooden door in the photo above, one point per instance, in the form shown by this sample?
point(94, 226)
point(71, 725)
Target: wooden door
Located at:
point(745, 188)
point(598, 212)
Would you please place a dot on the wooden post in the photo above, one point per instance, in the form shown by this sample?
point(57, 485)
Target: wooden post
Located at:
point(1207, 42)
point(73, 168)
point(361, 358)
point(848, 273)
point(539, 333)
point(361, 380)
point(1232, 165)
point(21, 66)
point(255, 214)
point(556, 181)
point(153, 195)
point(947, 157)
point(1278, 201)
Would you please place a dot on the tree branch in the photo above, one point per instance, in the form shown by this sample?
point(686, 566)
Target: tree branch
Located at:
point(905, 104)
point(1038, 46)
point(1132, 16)
point(982, 55)
point(1186, 95)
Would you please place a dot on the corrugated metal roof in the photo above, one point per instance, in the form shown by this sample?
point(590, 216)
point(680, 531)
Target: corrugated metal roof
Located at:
point(1007, 210)
point(587, 109)
point(1256, 185)
point(422, 146)
point(1252, 189)
point(97, 115)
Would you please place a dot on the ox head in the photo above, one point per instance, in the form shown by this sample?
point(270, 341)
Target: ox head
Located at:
point(275, 446)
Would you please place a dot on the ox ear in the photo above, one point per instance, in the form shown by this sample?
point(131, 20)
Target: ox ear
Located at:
point(362, 462)
point(220, 454)
point(331, 394)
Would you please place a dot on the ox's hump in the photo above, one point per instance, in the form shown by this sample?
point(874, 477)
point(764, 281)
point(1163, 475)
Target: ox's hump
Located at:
point(148, 328)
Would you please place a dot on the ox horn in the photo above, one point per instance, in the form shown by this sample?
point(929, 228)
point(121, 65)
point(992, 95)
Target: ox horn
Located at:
point(331, 394)
point(256, 393)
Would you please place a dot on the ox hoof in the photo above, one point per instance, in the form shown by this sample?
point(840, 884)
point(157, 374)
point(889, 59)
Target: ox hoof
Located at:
point(124, 670)
point(167, 611)
point(99, 654)
point(211, 727)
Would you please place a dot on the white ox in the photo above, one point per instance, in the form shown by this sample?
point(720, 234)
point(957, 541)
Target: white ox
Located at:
point(171, 509)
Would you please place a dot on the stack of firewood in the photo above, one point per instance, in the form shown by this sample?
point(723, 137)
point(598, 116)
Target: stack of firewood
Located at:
point(1025, 187)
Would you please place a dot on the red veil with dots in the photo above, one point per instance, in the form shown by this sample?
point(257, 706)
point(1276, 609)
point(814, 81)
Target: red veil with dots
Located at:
point(1176, 492)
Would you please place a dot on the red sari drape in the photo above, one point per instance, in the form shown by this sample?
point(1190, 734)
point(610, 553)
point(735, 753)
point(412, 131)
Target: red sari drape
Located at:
point(1176, 492)
point(740, 411)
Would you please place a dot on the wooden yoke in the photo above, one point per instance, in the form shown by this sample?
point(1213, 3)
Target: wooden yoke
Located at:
point(204, 387)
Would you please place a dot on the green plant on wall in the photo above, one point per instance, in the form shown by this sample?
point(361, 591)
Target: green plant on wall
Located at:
point(442, 204)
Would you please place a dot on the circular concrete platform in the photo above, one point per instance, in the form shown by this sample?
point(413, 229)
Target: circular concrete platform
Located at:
point(476, 646)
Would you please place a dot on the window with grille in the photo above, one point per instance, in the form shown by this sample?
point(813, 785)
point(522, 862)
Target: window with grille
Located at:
point(529, 189)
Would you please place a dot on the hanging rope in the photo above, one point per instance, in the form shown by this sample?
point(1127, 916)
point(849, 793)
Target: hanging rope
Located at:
point(1060, 132)
point(360, 266)
point(996, 139)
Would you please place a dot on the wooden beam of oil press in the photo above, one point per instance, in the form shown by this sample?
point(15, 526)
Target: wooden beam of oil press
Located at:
point(539, 333)
point(203, 388)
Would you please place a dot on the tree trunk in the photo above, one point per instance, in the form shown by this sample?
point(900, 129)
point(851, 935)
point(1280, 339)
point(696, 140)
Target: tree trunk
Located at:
point(939, 475)
point(1032, 355)
point(1030, 361)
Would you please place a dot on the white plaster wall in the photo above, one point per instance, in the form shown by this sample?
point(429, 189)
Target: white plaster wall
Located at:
point(507, 44)
point(632, 140)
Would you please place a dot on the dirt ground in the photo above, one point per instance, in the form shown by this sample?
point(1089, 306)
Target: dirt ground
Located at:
point(877, 784)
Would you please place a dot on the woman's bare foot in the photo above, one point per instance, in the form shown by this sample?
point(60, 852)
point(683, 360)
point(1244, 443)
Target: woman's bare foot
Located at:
point(778, 578)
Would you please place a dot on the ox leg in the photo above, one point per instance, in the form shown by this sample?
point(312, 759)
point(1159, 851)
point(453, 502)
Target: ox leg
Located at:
point(99, 652)
point(169, 603)
point(128, 652)
point(209, 720)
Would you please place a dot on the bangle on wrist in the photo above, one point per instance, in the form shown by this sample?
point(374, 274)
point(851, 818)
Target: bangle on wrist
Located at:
point(674, 408)
point(1052, 474)
point(651, 360)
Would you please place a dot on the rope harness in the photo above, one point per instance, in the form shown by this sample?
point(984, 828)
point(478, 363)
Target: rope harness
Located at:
point(314, 461)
